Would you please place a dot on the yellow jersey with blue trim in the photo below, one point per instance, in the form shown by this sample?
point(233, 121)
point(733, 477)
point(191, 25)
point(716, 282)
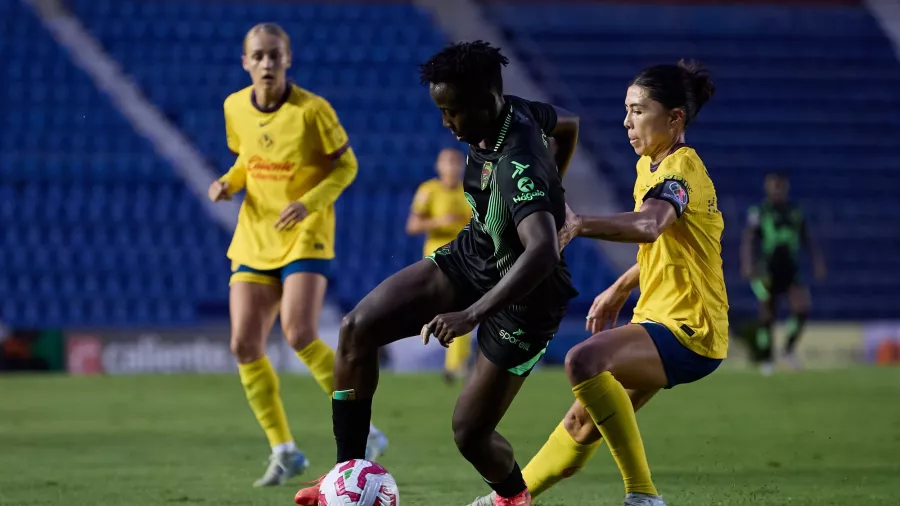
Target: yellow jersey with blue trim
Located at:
point(434, 200)
point(681, 280)
point(284, 154)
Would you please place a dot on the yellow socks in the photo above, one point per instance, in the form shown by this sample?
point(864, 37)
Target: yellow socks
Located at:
point(319, 358)
point(559, 458)
point(458, 354)
point(607, 402)
point(261, 386)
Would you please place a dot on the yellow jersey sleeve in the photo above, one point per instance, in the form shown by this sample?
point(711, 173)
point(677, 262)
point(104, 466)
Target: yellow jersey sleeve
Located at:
point(236, 177)
point(231, 135)
point(422, 201)
point(333, 137)
point(335, 146)
point(672, 185)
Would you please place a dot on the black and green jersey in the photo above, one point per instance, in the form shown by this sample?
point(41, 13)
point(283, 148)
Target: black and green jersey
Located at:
point(515, 177)
point(780, 230)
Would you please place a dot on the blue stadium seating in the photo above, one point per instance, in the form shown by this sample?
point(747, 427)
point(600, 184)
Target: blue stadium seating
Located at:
point(814, 92)
point(99, 231)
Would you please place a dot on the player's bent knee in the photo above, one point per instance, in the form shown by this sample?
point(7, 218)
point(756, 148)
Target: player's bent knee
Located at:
point(353, 343)
point(468, 438)
point(300, 336)
point(247, 349)
point(584, 361)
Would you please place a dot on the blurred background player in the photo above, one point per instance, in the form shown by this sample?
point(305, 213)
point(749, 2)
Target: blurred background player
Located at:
point(284, 241)
point(440, 211)
point(680, 324)
point(770, 259)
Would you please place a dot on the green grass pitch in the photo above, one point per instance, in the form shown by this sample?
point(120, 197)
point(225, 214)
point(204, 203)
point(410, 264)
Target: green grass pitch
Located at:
point(812, 438)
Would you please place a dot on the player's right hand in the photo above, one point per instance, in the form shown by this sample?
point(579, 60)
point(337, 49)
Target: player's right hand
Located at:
point(218, 190)
point(605, 310)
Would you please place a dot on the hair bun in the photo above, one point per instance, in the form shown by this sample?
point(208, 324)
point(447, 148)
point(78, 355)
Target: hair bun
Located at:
point(701, 83)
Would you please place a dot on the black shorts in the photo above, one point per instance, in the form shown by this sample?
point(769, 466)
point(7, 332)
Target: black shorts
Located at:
point(777, 279)
point(514, 338)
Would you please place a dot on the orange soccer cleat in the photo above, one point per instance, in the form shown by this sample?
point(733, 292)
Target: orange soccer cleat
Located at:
point(309, 496)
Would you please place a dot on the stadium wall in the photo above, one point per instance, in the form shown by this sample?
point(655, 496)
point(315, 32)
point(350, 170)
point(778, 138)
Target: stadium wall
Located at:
point(205, 349)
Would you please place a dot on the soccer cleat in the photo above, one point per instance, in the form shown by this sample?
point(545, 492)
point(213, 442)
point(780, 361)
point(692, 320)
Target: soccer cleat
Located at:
point(309, 496)
point(633, 499)
point(766, 368)
point(523, 499)
point(283, 466)
point(376, 444)
point(487, 500)
point(793, 361)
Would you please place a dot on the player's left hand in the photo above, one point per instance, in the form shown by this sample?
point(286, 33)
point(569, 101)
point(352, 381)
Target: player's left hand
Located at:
point(294, 213)
point(570, 229)
point(449, 326)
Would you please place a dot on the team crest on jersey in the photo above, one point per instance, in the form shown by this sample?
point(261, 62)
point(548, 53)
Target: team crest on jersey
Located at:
point(486, 171)
point(266, 141)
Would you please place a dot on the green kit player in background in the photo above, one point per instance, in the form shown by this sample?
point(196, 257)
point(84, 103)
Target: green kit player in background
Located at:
point(770, 251)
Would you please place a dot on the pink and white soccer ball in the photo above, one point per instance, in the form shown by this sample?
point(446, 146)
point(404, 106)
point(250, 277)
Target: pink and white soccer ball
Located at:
point(358, 483)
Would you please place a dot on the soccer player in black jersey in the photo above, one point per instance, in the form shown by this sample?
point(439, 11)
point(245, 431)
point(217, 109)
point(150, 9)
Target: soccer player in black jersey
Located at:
point(504, 272)
point(770, 259)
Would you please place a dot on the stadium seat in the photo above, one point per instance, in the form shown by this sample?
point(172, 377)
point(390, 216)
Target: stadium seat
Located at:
point(825, 109)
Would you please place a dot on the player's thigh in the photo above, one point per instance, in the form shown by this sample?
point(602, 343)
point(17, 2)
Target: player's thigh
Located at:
point(485, 397)
point(253, 307)
point(303, 295)
point(401, 305)
point(580, 426)
point(628, 353)
point(799, 299)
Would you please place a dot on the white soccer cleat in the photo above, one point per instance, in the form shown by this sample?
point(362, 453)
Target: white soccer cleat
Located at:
point(487, 500)
point(633, 499)
point(376, 444)
point(282, 467)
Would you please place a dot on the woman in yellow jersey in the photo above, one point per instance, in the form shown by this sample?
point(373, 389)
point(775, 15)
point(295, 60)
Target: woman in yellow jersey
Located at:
point(293, 160)
point(439, 211)
point(680, 325)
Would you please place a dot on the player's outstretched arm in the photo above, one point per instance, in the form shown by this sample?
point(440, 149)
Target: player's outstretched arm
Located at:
point(748, 243)
point(566, 135)
point(537, 232)
point(644, 226)
point(815, 251)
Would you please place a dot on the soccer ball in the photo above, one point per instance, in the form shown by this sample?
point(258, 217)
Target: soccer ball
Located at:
point(358, 483)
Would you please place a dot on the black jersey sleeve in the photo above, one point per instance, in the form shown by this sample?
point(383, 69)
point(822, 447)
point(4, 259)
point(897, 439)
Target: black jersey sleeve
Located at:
point(543, 114)
point(524, 183)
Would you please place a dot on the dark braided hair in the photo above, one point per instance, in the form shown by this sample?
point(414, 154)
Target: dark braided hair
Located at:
point(475, 67)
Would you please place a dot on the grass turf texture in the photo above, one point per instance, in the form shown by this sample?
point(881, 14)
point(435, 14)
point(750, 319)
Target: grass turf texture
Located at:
point(811, 438)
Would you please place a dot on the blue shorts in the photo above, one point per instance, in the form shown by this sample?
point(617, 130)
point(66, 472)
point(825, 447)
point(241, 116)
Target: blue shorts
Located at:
point(682, 365)
point(277, 276)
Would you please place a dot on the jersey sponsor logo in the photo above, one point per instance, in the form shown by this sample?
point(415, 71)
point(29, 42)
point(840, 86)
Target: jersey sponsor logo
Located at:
point(261, 168)
point(525, 185)
point(520, 168)
point(524, 197)
point(486, 171)
point(513, 340)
